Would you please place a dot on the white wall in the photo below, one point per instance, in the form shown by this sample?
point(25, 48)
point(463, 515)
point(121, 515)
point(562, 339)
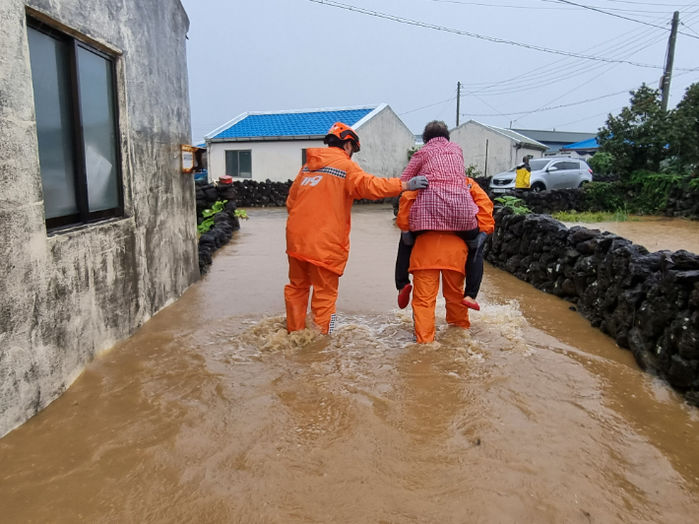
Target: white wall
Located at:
point(502, 153)
point(384, 138)
point(277, 160)
point(385, 143)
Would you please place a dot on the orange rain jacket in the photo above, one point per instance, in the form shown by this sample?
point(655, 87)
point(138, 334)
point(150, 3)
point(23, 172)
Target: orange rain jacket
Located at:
point(320, 205)
point(486, 222)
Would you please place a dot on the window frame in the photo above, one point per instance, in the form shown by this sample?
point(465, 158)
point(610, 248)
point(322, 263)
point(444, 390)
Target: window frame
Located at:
point(237, 152)
point(80, 175)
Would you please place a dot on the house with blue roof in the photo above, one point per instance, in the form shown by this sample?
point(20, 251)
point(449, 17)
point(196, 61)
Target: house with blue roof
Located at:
point(584, 149)
point(272, 145)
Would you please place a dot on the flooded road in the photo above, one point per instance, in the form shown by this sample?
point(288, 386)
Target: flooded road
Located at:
point(212, 413)
point(653, 233)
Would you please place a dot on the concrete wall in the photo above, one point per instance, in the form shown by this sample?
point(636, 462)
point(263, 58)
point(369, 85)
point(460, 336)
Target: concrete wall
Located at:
point(277, 161)
point(66, 296)
point(385, 141)
point(502, 152)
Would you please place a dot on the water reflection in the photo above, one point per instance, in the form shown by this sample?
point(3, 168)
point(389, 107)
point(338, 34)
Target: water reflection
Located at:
point(212, 413)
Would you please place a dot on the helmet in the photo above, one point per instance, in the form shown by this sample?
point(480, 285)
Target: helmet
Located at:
point(343, 132)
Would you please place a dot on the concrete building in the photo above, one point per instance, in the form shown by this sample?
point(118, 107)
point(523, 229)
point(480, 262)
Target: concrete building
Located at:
point(272, 145)
point(493, 149)
point(98, 219)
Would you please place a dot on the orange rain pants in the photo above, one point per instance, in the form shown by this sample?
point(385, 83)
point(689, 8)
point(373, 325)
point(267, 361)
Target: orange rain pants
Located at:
point(303, 275)
point(438, 253)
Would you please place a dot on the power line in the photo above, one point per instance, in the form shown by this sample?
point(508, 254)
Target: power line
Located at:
point(532, 79)
point(496, 40)
point(640, 12)
point(618, 16)
point(429, 105)
point(551, 108)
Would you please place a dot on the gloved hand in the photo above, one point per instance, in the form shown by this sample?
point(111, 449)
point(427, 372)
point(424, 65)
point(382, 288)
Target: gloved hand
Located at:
point(418, 182)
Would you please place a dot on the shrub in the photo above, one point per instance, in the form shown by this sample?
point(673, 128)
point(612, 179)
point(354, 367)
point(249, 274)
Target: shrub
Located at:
point(604, 196)
point(602, 163)
point(651, 190)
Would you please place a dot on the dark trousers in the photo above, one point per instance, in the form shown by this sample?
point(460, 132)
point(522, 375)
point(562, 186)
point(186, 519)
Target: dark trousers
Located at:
point(474, 262)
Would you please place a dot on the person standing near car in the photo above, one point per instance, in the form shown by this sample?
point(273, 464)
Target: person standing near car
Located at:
point(523, 174)
point(318, 226)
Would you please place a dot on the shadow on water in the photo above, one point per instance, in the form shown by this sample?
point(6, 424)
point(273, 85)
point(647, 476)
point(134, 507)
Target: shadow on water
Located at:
point(211, 412)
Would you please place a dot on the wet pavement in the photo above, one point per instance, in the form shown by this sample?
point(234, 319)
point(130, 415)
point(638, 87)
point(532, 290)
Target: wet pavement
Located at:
point(211, 412)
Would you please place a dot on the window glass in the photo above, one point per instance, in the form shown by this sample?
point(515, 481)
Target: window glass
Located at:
point(99, 130)
point(568, 164)
point(52, 102)
point(74, 98)
point(239, 163)
point(245, 160)
point(538, 164)
point(232, 163)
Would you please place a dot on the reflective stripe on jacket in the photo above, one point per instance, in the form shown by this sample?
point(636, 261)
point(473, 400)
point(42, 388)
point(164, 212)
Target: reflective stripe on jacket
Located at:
point(320, 204)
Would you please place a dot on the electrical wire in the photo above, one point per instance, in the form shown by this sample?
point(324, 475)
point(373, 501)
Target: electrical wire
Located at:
point(619, 16)
point(478, 36)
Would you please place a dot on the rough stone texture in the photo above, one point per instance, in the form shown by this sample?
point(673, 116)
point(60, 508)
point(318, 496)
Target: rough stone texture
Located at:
point(680, 202)
point(67, 296)
point(647, 302)
point(225, 222)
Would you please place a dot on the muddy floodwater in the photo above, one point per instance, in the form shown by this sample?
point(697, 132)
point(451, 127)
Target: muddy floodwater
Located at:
point(212, 413)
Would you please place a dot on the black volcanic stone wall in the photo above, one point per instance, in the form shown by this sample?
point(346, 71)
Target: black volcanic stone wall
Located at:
point(647, 302)
point(225, 222)
point(680, 202)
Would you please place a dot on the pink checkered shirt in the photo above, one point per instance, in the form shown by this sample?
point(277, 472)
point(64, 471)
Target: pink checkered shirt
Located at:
point(447, 204)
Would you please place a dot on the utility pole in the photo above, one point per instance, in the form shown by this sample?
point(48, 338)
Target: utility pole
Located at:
point(458, 101)
point(667, 75)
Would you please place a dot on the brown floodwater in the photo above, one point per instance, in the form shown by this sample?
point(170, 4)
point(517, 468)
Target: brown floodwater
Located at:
point(211, 412)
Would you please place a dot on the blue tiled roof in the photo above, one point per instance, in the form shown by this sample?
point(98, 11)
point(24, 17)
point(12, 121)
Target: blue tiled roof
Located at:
point(291, 124)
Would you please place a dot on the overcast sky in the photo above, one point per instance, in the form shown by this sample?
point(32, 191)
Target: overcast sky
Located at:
point(528, 64)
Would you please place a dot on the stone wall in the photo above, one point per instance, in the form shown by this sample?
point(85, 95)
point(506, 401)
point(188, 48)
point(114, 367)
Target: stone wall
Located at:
point(680, 202)
point(225, 222)
point(67, 295)
point(647, 302)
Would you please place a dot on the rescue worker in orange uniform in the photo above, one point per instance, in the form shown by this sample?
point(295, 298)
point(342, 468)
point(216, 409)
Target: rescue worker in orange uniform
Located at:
point(442, 253)
point(318, 226)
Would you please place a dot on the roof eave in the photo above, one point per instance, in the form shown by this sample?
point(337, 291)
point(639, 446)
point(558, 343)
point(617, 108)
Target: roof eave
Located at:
point(265, 138)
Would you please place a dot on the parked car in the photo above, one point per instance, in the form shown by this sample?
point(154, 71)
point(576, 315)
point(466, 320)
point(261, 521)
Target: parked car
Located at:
point(547, 173)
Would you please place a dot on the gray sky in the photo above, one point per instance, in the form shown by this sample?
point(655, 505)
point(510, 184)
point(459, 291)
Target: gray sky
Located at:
point(535, 64)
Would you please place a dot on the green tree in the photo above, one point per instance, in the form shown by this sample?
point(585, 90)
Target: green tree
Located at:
point(638, 137)
point(684, 134)
point(602, 163)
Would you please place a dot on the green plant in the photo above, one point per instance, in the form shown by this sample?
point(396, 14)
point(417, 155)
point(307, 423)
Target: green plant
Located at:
point(591, 216)
point(651, 190)
point(602, 162)
point(208, 215)
point(205, 225)
point(513, 203)
point(216, 208)
point(241, 213)
point(604, 196)
point(473, 171)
